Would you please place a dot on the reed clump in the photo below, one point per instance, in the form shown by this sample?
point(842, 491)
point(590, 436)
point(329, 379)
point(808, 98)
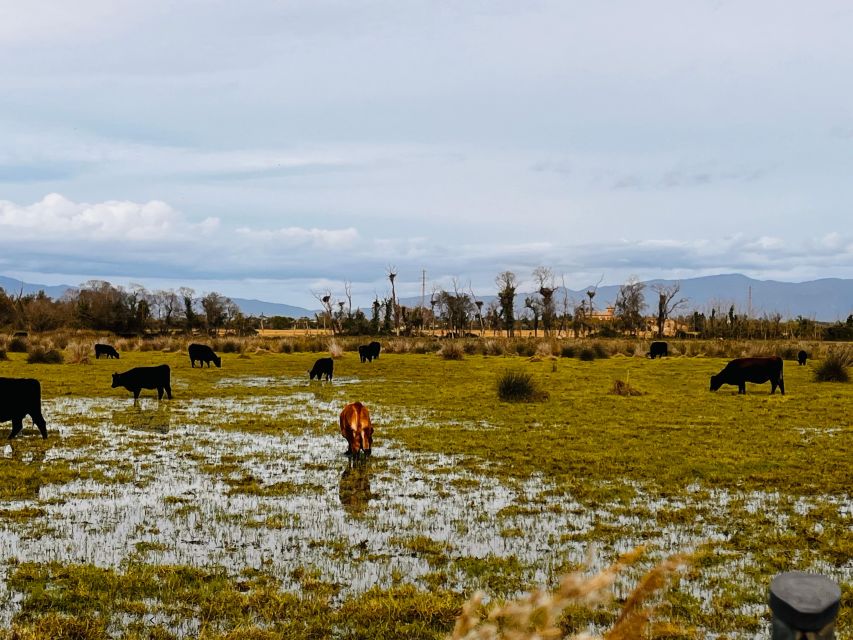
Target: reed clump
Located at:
point(43, 355)
point(536, 615)
point(624, 388)
point(451, 350)
point(519, 386)
point(834, 366)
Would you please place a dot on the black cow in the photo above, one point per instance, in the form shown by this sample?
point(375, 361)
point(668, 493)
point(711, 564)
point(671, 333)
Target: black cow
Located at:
point(20, 397)
point(801, 357)
point(323, 367)
point(658, 350)
point(203, 353)
point(145, 378)
point(758, 370)
point(369, 352)
point(105, 350)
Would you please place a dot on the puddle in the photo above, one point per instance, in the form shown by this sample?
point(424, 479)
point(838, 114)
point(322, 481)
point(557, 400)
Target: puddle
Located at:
point(179, 466)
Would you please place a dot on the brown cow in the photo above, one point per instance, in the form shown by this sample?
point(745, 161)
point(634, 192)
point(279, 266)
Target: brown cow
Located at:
point(356, 428)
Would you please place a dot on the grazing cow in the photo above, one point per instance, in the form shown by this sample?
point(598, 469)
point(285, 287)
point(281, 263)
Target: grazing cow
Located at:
point(374, 349)
point(801, 357)
point(356, 428)
point(20, 397)
point(145, 378)
point(105, 350)
point(658, 350)
point(758, 370)
point(323, 367)
point(203, 353)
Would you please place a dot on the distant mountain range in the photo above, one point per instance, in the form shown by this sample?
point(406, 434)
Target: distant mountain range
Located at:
point(828, 299)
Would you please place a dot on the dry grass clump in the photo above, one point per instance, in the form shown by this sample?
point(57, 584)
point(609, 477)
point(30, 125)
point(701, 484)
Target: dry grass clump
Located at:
point(231, 346)
point(397, 345)
point(335, 349)
point(284, 346)
point(624, 388)
point(78, 352)
point(536, 616)
point(451, 350)
point(492, 348)
point(568, 351)
point(834, 366)
point(586, 354)
point(545, 349)
point(519, 386)
point(42, 355)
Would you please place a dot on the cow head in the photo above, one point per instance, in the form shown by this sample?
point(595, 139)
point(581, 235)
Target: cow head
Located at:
point(217, 360)
point(116, 380)
point(716, 382)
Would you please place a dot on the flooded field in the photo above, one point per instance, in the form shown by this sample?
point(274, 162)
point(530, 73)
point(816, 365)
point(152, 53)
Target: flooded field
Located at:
point(247, 482)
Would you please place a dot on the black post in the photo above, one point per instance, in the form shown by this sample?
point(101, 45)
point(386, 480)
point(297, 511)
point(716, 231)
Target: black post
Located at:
point(804, 606)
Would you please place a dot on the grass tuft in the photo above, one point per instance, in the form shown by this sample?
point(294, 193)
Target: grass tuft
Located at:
point(586, 354)
point(451, 350)
point(40, 355)
point(519, 386)
point(623, 388)
point(834, 366)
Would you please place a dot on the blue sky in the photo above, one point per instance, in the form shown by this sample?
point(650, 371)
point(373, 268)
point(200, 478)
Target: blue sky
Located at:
point(275, 149)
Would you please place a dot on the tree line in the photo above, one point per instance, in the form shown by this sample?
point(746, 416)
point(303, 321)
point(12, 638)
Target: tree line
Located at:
point(455, 310)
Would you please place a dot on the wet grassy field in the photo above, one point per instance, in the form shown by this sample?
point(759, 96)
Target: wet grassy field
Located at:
point(231, 511)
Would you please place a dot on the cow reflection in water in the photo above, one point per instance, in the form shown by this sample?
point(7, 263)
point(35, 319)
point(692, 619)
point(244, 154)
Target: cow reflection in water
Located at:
point(138, 419)
point(354, 487)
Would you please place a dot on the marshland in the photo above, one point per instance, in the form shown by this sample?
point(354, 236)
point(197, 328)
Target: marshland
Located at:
point(232, 512)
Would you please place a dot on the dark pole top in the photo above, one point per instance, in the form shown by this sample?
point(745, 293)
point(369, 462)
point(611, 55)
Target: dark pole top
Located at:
point(804, 601)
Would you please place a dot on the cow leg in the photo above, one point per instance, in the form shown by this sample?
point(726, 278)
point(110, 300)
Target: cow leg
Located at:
point(17, 425)
point(41, 423)
point(782, 386)
point(741, 388)
point(136, 393)
point(169, 391)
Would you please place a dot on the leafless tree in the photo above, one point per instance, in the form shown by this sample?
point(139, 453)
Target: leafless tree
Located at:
point(544, 276)
point(667, 303)
point(630, 304)
point(392, 274)
point(507, 284)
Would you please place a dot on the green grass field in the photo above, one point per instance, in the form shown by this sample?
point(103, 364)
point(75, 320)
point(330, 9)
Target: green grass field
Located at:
point(231, 512)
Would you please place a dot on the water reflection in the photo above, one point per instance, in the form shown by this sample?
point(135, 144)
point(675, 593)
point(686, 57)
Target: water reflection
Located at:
point(354, 487)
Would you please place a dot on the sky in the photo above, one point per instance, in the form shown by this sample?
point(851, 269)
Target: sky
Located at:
point(278, 149)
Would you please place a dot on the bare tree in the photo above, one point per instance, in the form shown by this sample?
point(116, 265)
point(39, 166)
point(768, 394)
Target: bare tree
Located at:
point(392, 274)
point(325, 298)
point(630, 304)
point(667, 303)
point(507, 284)
point(544, 276)
point(591, 293)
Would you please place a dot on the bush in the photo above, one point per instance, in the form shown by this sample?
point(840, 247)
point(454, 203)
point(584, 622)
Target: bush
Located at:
point(493, 348)
point(599, 350)
point(586, 354)
point(284, 346)
point(518, 386)
point(3, 355)
point(231, 346)
point(834, 366)
point(451, 350)
point(335, 349)
point(78, 352)
point(470, 347)
point(17, 345)
point(40, 355)
point(568, 351)
point(526, 349)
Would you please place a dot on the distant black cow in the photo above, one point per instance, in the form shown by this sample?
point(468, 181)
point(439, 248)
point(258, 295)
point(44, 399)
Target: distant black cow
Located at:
point(20, 397)
point(203, 353)
point(758, 370)
point(323, 367)
point(658, 350)
point(145, 378)
point(369, 352)
point(105, 350)
point(801, 357)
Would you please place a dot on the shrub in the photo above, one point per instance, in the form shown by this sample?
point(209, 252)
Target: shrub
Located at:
point(40, 355)
point(568, 351)
point(78, 352)
point(525, 349)
point(470, 347)
point(451, 350)
point(3, 355)
point(544, 350)
point(493, 348)
point(586, 354)
point(284, 346)
point(518, 386)
point(834, 366)
point(600, 350)
point(623, 388)
point(231, 346)
point(17, 345)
